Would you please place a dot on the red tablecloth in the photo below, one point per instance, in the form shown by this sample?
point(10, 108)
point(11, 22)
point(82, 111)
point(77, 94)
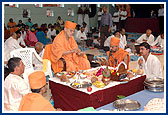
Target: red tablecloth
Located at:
point(140, 25)
point(69, 99)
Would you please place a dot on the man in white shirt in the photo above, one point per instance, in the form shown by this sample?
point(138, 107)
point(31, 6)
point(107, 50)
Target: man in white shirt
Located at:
point(147, 37)
point(40, 51)
point(161, 17)
point(123, 17)
point(14, 85)
point(51, 33)
point(116, 17)
point(10, 45)
point(159, 41)
point(148, 62)
point(123, 38)
point(20, 39)
point(81, 36)
point(107, 42)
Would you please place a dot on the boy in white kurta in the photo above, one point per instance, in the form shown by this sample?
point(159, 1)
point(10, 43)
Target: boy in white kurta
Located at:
point(149, 63)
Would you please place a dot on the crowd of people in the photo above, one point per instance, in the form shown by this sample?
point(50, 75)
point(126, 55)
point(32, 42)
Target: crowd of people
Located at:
point(63, 40)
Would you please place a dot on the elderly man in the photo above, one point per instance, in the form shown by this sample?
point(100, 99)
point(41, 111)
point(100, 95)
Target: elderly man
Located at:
point(35, 101)
point(105, 26)
point(40, 51)
point(64, 46)
point(147, 37)
point(116, 54)
point(149, 63)
point(14, 86)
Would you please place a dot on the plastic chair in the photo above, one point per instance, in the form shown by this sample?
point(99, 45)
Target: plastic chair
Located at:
point(26, 54)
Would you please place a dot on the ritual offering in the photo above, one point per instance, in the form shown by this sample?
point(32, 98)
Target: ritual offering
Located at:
point(140, 72)
point(106, 76)
point(89, 89)
point(121, 73)
point(62, 76)
point(99, 84)
point(84, 84)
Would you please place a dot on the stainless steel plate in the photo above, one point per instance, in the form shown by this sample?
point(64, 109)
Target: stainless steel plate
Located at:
point(126, 104)
point(81, 85)
point(154, 81)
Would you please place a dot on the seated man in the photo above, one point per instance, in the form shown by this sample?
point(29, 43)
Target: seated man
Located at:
point(20, 39)
point(80, 35)
point(147, 37)
point(64, 46)
point(116, 54)
point(149, 63)
point(108, 40)
point(14, 86)
point(159, 41)
point(38, 65)
point(10, 45)
point(35, 101)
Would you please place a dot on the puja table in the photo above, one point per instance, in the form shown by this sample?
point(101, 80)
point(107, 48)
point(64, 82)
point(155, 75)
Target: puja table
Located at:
point(143, 97)
point(71, 99)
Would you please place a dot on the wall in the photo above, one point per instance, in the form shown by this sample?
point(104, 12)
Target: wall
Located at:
point(38, 15)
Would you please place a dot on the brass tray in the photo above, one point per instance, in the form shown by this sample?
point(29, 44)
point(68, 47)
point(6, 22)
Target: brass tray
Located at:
point(126, 104)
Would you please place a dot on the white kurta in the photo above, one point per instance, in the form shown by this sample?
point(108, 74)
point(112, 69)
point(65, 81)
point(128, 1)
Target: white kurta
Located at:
point(21, 41)
point(80, 19)
point(10, 45)
point(161, 12)
point(14, 89)
point(116, 16)
point(159, 41)
point(23, 34)
point(124, 40)
point(51, 33)
point(38, 64)
point(81, 36)
point(149, 39)
point(124, 13)
point(152, 67)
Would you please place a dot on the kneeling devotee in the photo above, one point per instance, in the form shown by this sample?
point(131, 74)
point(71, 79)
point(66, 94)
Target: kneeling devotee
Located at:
point(116, 54)
point(35, 101)
point(65, 46)
point(148, 62)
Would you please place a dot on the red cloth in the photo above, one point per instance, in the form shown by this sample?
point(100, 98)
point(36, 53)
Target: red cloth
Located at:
point(69, 99)
point(140, 25)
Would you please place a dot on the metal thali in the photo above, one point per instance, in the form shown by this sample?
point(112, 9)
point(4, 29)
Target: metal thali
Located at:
point(126, 104)
point(154, 84)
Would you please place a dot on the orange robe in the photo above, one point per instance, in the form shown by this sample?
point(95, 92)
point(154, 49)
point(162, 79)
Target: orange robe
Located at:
point(35, 102)
point(73, 61)
point(119, 55)
point(12, 27)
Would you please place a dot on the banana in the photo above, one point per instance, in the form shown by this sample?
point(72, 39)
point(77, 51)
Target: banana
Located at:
point(99, 84)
